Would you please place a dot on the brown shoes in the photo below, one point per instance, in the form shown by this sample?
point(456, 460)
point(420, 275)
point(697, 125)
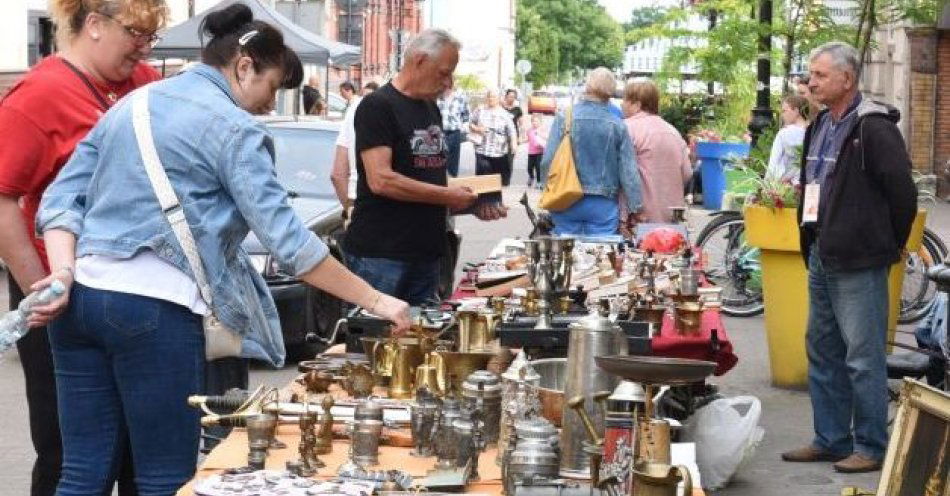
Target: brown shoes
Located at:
point(857, 463)
point(811, 454)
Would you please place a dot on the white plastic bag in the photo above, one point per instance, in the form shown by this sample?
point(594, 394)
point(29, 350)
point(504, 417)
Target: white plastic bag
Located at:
point(725, 437)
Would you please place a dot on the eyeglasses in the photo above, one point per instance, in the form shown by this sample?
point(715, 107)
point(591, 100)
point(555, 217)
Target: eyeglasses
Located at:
point(139, 37)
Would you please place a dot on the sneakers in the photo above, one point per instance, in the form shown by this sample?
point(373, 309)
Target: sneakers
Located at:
point(857, 463)
point(811, 454)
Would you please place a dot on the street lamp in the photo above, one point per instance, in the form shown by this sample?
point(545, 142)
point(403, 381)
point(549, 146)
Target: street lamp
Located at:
point(762, 113)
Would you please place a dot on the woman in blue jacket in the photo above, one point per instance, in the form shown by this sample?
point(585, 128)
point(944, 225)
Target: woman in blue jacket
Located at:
point(604, 159)
point(129, 343)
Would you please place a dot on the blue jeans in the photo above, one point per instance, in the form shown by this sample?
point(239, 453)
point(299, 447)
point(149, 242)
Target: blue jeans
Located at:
point(130, 361)
point(453, 143)
point(847, 370)
point(592, 215)
point(413, 282)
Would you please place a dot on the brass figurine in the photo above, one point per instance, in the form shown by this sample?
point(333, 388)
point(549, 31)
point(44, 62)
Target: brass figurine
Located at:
point(324, 444)
point(308, 444)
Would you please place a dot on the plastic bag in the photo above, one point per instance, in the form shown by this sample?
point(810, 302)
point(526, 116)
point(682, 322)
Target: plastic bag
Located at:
point(725, 437)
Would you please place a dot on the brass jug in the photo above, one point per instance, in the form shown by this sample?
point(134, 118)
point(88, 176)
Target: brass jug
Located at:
point(653, 441)
point(381, 362)
point(689, 318)
point(405, 355)
point(660, 479)
point(476, 329)
point(427, 374)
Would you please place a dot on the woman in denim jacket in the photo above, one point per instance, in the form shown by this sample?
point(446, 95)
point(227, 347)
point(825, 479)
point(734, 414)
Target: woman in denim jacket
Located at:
point(129, 345)
point(603, 157)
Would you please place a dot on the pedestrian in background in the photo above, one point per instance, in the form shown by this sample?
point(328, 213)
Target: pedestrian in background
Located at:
point(129, 347)
point(343, 173)
point(369, 88)
point(312, 98)
point(786, 148)
point(103, 44)
point(662, 156)
point(537, 140)
point(495, 138)
point(603, 157)
point(455, 119)
point(856, 213)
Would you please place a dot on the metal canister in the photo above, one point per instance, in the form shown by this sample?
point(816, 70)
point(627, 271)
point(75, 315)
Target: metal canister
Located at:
point(470, 440)
point(534, 456)
point(446, 442)
point(482, 391)
point(595, 335)
point(367, 429)
point(423, 418)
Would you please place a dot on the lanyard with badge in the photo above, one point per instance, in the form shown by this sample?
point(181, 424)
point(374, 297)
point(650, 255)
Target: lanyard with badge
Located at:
point(812, 195)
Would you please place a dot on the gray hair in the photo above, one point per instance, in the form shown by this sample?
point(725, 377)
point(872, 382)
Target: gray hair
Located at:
point(601, 84)
point(430, 43)
point(843, 56)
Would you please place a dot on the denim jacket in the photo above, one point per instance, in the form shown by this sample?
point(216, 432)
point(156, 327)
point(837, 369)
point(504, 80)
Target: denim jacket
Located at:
point(220, 160)
point(603, 152)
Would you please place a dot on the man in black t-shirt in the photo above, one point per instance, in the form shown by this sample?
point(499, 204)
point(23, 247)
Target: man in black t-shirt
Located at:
point(399, 218)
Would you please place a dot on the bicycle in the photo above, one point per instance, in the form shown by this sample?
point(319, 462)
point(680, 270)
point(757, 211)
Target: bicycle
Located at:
point(729, 262)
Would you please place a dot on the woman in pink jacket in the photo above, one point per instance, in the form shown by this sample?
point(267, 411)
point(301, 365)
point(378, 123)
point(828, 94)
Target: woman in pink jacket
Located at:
point(662, 155)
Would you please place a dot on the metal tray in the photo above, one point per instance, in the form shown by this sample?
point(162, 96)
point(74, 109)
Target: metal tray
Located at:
point(656, 370)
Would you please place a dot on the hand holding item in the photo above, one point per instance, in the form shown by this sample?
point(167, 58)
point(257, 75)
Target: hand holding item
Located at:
point(460, 197)
point(491, 211)
point(392, 309)
point(45, 311)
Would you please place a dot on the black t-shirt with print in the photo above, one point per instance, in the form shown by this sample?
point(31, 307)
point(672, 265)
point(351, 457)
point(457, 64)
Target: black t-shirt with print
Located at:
point(387, 228)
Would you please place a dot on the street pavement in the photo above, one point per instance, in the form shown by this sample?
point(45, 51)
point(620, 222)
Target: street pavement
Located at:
point(786, 415)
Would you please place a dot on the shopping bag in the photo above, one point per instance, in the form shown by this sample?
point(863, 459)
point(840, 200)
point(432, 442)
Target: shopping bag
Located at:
point(563, 188)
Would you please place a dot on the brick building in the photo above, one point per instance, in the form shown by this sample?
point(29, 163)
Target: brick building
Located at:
point(905, 69)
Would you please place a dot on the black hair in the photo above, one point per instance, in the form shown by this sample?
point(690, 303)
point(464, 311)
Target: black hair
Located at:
point(234, 31)
point(511, 90)
point(346, 85)
point(372, 85)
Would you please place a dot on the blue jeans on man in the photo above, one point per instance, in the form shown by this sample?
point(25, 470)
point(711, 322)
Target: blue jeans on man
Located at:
point(415, 282)
point(592, 215)
point(847, 370)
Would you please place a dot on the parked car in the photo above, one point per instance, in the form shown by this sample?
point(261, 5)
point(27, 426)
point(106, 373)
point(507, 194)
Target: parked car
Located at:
point(305, 148)
point(541, 102)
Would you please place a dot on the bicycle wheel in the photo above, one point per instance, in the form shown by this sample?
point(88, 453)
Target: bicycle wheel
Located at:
point(730, 263)
point(917, 290)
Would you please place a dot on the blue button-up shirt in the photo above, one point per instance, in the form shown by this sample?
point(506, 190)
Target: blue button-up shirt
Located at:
point(220, 160)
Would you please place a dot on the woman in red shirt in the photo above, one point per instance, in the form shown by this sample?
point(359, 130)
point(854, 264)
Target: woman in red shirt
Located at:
point(42, 118)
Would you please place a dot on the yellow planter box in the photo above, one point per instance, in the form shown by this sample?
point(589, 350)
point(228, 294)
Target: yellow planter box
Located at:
point(785, 288)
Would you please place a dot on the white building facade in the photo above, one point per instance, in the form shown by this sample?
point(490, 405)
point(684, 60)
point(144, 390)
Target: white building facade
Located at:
point(486, 29)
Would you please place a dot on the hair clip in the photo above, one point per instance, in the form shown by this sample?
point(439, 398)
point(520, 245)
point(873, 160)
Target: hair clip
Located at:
point(246, 37)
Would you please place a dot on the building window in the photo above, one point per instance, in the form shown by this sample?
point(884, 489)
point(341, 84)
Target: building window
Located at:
point(39, 36)
point(350, 29)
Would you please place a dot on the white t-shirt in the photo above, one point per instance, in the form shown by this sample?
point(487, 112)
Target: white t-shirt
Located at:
point(347, 139)
point(144, 274)
point(781, 160)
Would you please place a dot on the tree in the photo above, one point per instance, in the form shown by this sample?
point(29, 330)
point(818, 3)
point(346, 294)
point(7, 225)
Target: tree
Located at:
point(537, 41)
point(579, 32)
point(644, 17)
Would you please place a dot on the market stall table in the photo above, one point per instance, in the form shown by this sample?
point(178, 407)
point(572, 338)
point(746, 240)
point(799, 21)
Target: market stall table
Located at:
point(232, 453)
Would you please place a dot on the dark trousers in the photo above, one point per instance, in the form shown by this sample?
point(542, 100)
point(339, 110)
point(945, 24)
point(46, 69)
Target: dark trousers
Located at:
point(37, 361)
point(494, 165)
point(453, 143)
point(534, 167)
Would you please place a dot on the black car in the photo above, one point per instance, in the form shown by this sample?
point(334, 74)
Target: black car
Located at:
point(305, 148)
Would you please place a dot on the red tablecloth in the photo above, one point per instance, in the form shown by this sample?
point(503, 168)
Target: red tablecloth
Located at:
point(669, 343)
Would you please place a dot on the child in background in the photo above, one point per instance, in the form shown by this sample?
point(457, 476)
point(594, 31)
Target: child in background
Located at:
point(536, 142)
